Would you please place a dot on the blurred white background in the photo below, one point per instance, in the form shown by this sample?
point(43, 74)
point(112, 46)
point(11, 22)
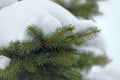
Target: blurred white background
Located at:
point(110, 25)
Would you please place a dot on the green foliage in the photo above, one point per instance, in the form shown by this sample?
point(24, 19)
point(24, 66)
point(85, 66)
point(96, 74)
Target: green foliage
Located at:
point(51, 56)
point(86, 10)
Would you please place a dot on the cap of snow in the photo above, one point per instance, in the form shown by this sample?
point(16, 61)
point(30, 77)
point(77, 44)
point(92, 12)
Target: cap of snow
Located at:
point(4, 62)
point(4, 3)
point(44, 13)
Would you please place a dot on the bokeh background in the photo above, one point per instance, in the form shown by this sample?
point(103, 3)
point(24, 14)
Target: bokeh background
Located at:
point(110, 25)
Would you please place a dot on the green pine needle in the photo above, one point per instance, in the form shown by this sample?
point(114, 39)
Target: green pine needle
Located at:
point(50, 56)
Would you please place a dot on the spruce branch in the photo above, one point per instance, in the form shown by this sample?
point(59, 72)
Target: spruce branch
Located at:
point(87, 10)
point(73, 4)
point(51, 56)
